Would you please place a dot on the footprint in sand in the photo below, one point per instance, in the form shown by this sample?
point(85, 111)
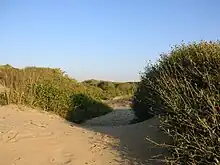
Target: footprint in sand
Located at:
point(10, 136)
point(62, 159)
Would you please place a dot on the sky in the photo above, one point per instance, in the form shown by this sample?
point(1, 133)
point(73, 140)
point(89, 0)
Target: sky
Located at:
point(101, 39)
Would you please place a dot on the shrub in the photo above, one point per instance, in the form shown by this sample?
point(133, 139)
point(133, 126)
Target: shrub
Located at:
point(52, 98)
point(85, 107)
point(185, 83)
point(108, 90)
point(51, 90)
point(95, 92)
point(146, 100)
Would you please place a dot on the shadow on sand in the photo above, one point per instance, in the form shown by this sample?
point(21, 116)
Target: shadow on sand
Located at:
point(118, 117)
point(133, 147)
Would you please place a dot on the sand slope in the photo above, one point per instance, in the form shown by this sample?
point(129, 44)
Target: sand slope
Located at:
point(120, 116)
point(31, 137)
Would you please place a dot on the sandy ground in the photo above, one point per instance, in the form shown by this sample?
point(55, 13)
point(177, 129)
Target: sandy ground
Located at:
point(120, 116)
point(31, 137)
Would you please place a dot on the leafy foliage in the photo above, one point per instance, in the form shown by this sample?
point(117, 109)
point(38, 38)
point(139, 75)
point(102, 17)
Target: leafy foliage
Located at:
point(84, 107)
point(185, 84)
point(111, 90)
point(51, 90)
point(146, 100)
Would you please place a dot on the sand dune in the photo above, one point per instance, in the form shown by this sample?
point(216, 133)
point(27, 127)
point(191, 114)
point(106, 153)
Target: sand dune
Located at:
point(32, 137)
point(120, 116)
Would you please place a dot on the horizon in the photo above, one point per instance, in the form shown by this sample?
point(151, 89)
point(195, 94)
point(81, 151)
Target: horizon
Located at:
point(101, 40)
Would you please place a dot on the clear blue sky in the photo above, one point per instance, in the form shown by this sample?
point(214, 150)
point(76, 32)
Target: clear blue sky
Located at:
point(101, 39)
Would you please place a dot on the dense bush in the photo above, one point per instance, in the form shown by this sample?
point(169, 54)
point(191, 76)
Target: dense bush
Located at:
point(110, 90)
point(85, 107)
point(51, 90)
point(50, 97)
point(146, 99)
point(186, 84)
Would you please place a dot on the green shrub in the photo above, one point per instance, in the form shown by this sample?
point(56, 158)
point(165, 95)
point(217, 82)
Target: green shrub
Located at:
point(126, 88)
point(107, 90)
point(185, 83)
point(146, 100)
point(52, 98)
point(85, 107)
point(51, 90)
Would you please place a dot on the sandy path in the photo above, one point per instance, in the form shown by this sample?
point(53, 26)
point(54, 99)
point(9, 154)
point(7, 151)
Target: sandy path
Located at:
point(120, 116)
point(31, 137)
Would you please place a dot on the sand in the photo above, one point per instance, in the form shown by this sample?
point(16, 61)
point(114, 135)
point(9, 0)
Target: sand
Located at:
point(120, 116)
point(33, 137)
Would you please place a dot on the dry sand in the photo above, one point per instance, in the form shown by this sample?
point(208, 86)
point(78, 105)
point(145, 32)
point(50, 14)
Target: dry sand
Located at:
point(120, 116)
point(31, 137)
